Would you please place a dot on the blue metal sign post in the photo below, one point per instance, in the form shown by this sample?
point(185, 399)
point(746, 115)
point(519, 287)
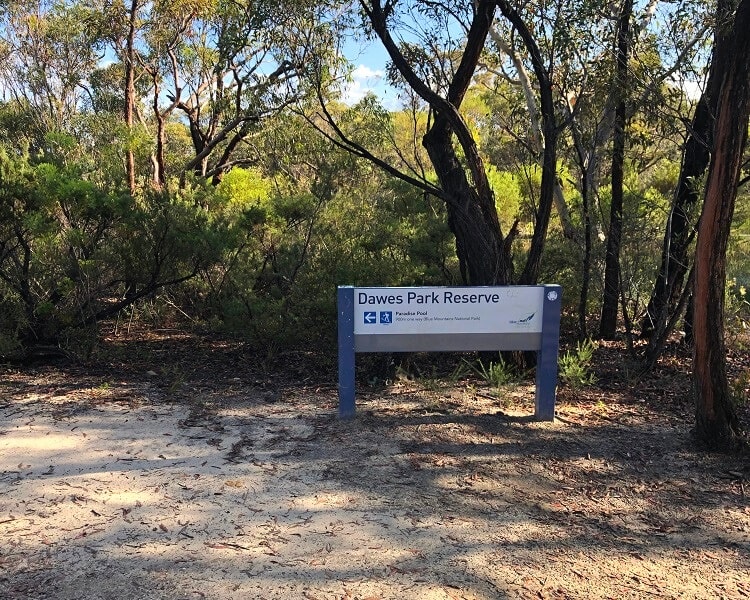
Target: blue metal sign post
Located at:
point(450, 319)
point(546, 357)
point(345, 303)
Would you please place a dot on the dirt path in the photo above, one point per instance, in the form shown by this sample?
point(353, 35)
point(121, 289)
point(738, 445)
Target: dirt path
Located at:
point(110, 489)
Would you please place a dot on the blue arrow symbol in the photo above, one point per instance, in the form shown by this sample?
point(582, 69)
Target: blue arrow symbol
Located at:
point(370, 317)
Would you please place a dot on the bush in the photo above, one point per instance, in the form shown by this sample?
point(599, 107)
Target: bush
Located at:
point(573, 367)
point(75, 253)
point(496, 373)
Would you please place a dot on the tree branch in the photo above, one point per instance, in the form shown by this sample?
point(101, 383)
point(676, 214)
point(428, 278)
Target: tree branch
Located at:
point(341, 140)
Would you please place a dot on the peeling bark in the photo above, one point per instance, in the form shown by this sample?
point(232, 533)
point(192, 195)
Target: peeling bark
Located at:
point(716, 420)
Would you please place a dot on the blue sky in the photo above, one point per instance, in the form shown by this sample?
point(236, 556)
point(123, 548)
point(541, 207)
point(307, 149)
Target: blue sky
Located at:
point(368, 79)
point(369, 62)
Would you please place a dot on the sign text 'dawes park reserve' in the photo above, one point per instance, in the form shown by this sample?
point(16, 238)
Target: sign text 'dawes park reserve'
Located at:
point(434, 311)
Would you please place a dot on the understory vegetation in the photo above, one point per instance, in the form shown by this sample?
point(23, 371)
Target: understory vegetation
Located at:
point(260, 254)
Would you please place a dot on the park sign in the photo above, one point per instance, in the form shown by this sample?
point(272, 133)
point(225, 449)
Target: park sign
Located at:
point(450, 319)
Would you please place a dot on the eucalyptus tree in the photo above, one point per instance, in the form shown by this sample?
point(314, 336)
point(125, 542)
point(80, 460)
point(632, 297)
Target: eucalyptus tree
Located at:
point(128, 54)
point(235, 66)
point(435, 52)
point(166, 35)
point(622, 69)
point(642, 43)
point(672, 287)
point(550, 129)
point(47, 50)
point(623, 49)
point(716, 419)
point(531, 133)
point(483, 251)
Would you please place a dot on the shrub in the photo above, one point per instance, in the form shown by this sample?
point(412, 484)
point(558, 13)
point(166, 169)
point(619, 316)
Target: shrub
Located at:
point(574, 367)
point(496, 373)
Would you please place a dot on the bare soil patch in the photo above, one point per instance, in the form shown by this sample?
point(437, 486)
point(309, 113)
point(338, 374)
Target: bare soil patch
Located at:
point(176, 468)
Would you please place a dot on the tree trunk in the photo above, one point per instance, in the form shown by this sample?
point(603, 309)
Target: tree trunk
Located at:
point(130, 92)
point(550, 133)
point(608, 322)
point(587, 237)
point(682, 220)
point(483, 257)
point(716, 420)
point(160, 177)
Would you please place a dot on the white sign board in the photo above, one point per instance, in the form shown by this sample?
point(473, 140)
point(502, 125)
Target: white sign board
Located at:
point(450, 319)
point(448, 310)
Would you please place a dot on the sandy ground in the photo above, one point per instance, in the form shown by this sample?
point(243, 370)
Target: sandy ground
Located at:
point(110, 488)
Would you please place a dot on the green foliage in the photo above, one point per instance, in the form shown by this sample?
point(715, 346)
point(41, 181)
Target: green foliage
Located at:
point(739, 389)
point(73, 252)
point(645, 210)
point(19, 128)
point(280, 290)
point(737, 311)
point(327, 220)
point(574, 366)
point(497, 373)
point(508, 196)
point(243, 189)
point(562, 265)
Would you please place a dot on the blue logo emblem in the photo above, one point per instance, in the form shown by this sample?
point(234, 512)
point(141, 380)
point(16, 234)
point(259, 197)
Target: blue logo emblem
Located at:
point(370, 317)
point(386, 317)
